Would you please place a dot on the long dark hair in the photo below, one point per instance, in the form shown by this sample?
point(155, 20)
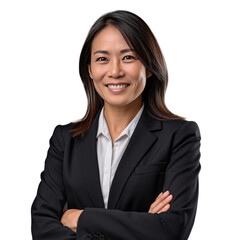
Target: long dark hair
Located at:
point(138, 36)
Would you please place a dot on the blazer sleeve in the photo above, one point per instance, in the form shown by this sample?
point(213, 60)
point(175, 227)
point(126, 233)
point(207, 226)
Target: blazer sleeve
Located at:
point(47, 208)
point(181, 179)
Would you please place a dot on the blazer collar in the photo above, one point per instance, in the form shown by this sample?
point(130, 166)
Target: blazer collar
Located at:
point(141, 141)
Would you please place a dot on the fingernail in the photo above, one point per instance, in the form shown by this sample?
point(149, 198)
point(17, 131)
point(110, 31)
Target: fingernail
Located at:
point(166, 193)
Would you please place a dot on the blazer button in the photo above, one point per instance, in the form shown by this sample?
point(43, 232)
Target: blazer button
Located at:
point(98, 236)
point(101, 237)
point(88, 236)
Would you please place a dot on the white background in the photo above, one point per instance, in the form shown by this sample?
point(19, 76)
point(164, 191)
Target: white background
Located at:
point(40, 87)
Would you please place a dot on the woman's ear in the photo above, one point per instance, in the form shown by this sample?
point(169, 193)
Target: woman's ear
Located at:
point(90, 71)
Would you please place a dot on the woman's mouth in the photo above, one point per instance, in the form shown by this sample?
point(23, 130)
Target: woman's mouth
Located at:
point(117, 88)
point(120, 86)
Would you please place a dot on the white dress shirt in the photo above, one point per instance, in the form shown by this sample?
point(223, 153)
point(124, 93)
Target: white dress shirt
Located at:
point(109, 156)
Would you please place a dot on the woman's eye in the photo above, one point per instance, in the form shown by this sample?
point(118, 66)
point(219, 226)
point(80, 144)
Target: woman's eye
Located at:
point(101, 59)
point(128, 57)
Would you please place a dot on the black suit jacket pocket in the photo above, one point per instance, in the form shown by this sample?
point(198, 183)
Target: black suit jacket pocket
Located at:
point(159, 167)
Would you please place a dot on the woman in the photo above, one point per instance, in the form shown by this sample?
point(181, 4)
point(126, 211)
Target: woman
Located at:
point(129, 169)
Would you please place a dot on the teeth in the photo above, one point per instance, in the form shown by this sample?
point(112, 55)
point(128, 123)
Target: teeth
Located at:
point(117, 86)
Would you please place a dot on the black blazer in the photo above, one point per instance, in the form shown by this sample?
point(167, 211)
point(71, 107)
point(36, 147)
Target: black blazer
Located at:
point(161, 155)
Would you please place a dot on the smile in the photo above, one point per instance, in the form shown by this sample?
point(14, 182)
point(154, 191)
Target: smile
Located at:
point(118, 86)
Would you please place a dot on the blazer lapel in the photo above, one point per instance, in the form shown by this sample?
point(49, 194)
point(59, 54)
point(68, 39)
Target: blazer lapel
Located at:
point(141, 141)
point(89, 160)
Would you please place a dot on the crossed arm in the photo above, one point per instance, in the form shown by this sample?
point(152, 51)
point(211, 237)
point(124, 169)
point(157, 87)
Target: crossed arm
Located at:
point(161, 204)
point(175, 222)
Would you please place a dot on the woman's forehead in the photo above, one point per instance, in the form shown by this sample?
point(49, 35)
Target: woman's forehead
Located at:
point(108, 38)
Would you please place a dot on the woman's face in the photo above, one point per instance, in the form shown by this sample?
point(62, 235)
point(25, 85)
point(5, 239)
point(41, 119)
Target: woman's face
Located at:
point(118, 76)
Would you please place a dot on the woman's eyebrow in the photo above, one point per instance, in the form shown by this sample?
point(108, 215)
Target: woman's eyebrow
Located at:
point(126, 50)
point(106, 52)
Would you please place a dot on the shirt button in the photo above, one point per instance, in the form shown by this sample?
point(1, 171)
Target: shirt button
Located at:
point(116, 144)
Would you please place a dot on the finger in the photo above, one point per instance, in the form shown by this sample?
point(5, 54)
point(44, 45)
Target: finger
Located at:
point(159, 195)
point(164, 209)
point(159, 198)
point(162, 204)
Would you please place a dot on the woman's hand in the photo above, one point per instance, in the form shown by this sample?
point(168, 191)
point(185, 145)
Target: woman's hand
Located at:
point(161, 203)
point(70, 218)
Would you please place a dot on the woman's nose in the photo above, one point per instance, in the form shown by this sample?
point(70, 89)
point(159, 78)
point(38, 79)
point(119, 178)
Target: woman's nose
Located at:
point(115, 69)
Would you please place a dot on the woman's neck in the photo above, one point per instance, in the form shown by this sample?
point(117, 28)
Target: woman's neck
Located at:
point(118, 117)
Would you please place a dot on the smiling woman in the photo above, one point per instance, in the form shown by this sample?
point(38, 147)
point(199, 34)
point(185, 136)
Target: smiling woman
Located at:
point(129, 168)
point(119, 76)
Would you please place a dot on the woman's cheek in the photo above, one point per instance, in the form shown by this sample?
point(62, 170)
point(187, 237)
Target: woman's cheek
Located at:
point(98, 89)
point(98, 71)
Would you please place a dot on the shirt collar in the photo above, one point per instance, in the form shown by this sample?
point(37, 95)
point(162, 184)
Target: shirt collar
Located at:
point(103, 128)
